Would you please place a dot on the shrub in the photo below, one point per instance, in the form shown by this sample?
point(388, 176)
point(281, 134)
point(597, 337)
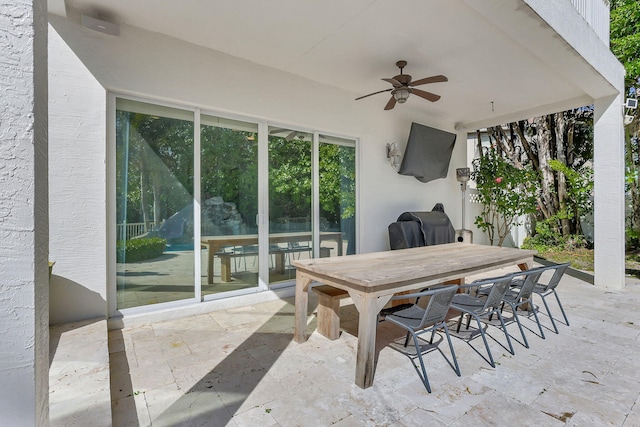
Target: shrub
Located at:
point(140, 249)
point(632, 239)
point(506, 193)
point(549, 239)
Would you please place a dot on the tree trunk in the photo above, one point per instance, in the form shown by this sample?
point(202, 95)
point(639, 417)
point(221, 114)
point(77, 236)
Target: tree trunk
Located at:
point(570, 150)
point(547, 179)
point(143, 195)
point(157, 216)
point(479, 143)
point(634, 153)
point(563, 196)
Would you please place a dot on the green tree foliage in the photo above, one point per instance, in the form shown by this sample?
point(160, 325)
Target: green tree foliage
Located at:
point(289, 178)
point(557, 147)
point(157, 176)
point(625, 37)
point(579, 190)
point(625, 44)
point(505, 192)
point(229, 169)
point(564, 147)
point(337, 182)
point(155, 172)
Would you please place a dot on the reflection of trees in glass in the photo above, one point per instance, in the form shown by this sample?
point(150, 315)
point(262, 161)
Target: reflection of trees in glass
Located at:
point(229, 164)
point(154, 173)
point(289, 178)
point(159, 167)
point(337, 182)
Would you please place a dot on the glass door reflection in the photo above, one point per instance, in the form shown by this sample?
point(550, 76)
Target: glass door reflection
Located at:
point(290, 208)
point(229, 204)
point(154, 204)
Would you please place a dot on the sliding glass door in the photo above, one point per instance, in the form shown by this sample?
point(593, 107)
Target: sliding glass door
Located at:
point(290, 208)
point(209, 206)
point(154, 204)
point(337, 195)
point(229, 204)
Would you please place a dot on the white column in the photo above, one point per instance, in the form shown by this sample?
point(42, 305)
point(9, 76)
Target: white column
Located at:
point(24, 298)
point(609, 212)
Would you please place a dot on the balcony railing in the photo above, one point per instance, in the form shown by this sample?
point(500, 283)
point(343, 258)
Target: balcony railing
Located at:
point(596, 13)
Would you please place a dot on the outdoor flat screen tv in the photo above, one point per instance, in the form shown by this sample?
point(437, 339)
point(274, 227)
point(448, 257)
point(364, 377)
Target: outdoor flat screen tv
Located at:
point(428, 153)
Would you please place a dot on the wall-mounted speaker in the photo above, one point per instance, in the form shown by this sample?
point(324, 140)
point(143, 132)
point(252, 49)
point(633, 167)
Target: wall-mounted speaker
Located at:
point(100, 25)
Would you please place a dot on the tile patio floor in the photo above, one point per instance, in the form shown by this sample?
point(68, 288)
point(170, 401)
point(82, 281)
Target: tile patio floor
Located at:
point(240, 367)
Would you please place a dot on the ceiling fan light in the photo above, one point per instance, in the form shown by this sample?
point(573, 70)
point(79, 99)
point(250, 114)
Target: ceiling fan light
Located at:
point(401, 95)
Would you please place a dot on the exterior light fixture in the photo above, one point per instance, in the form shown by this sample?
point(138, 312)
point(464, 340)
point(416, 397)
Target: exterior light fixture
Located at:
point(401, 95)
point(463, 175)
point(393, 155)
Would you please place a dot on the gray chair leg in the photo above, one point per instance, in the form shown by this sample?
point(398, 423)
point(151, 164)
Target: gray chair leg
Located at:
point(535, 315)
point(506, 333)
point(423, 377)
point(406, 340)
point(515, 316)
point(553, 323)
point(486, 343)
point(561, 308)
point(453, 353)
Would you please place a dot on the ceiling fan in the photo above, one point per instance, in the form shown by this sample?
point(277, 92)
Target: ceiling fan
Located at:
point(403, 87)
point(291, 135)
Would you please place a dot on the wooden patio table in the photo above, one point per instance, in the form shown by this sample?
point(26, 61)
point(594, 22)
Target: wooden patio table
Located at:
point(215, 243)
point(372, 279)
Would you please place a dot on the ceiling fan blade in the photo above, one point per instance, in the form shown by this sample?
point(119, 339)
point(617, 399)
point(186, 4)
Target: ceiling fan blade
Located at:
point(394, 82)
point(433, 79)
point(374, 93)
point(291, 136)
point(426, 95)
point(276, 131)
point(391, 103)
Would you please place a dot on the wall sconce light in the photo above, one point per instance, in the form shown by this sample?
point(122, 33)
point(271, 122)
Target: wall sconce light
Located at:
point(393, 155)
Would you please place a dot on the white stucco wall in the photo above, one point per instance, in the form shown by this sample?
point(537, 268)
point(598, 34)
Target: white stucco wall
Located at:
point(77, 154)
point(24, 336)
point(154, 66)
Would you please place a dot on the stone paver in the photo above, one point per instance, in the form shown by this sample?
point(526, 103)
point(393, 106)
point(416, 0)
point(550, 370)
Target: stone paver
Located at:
point(240, 367)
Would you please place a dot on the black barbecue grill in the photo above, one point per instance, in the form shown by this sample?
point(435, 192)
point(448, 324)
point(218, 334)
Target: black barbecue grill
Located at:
point(414, 229)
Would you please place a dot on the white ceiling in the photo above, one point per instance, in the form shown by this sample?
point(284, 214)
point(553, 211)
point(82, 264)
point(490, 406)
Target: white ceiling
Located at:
point(352, 44)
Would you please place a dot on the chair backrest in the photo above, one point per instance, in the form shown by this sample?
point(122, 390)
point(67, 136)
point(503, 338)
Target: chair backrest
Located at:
point(529, 279)
point(438, 305)
point(558, 272)
point(500, 286)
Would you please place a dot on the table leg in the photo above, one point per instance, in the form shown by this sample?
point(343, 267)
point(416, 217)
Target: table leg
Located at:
point(210, 255)
point(368, 308)
point(279, 267)
point(302, 306)
point(526, 265)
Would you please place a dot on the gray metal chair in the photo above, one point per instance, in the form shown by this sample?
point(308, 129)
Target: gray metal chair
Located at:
point(546, 285)
point(417, 321)
point(479, 306)
point(519, 295)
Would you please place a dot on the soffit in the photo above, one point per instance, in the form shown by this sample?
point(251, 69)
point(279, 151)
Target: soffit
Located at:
point(494, 72)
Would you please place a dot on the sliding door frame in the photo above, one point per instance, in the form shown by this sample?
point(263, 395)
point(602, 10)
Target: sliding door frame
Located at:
point(262, 219)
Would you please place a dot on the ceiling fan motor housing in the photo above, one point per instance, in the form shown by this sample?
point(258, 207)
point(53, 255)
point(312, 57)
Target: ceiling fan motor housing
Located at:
point(403, 86)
